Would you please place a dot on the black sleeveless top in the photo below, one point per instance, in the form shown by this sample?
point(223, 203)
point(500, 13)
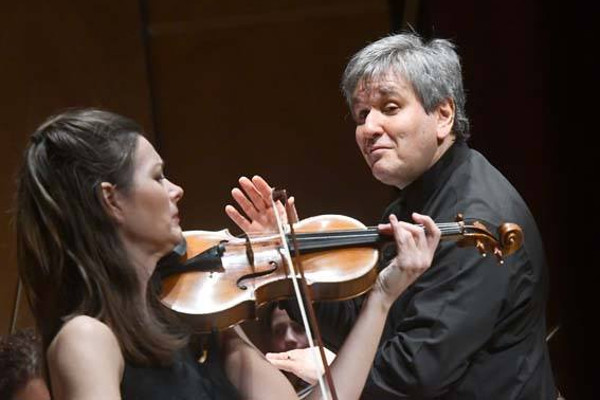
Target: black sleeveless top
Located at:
point(185, 379)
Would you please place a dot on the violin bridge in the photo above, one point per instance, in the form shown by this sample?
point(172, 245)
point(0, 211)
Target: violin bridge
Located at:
point(249, 252)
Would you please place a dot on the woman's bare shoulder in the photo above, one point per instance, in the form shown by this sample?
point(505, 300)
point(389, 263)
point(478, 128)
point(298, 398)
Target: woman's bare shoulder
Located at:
point(83, 348)
point(83, 334)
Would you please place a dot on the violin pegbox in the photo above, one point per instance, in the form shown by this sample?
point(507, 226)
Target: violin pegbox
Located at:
point(476, 234)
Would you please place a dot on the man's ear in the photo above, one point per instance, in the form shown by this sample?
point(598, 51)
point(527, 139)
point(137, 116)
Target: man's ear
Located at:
point(111, 201)
point(445, 113)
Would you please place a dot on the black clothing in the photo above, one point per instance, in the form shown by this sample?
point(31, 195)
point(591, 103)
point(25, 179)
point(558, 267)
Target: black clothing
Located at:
point(185, 379)
point(468, 328)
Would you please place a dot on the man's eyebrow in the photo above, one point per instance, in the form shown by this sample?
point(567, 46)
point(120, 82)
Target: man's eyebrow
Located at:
point(382, 89)
point(387, 89)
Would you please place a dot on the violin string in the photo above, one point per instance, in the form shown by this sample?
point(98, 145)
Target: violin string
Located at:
point(339, 238)
point(445, 227)
point(373, 231)
point(351, 237)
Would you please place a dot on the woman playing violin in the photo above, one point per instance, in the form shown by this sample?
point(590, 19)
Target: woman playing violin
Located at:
point(94, 215)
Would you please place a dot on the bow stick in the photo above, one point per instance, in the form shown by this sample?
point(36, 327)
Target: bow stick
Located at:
point(302, 293)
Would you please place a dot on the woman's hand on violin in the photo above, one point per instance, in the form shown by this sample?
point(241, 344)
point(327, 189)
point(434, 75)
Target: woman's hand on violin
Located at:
point(254, 199)
point(301, 362)
point(415, 249)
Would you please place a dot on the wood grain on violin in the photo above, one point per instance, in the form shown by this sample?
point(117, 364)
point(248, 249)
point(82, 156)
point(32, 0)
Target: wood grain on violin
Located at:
point(221, 280)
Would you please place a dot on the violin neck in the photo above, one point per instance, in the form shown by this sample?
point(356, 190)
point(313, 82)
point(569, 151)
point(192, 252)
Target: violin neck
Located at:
point(370, 237)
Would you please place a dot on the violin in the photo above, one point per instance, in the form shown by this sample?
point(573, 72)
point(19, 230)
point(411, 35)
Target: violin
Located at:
point(221, 280)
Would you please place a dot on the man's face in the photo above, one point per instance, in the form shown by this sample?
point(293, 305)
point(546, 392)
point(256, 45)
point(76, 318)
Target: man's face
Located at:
point(397, 138)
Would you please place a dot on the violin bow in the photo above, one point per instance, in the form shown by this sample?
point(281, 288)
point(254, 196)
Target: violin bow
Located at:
point(303, 294)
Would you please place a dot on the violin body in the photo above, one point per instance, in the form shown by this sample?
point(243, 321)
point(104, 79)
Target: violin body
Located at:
point(231, 292)
point(222, 280)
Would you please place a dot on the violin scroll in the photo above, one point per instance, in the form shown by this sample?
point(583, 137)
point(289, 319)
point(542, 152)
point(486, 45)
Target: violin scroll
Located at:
point(511, 237)
point(476, 234)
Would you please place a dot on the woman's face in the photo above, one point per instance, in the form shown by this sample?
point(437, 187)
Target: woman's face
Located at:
point(286, 334)
point(149, 217)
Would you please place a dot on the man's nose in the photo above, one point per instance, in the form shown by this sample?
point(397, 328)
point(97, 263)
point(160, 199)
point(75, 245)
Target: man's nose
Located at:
point(373, 123)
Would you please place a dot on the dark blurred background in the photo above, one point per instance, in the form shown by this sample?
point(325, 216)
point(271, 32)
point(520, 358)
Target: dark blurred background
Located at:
point(229, 88)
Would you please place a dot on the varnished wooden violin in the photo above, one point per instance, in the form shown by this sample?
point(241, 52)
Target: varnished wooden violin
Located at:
point(221, 280)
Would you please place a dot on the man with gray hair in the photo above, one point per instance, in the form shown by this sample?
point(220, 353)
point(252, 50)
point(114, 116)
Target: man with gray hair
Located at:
point(468, 328)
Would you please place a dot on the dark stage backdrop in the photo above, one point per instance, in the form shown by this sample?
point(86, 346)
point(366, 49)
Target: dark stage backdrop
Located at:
point(57, 55)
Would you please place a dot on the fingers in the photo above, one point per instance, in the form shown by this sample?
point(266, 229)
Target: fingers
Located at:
point(432, 232)
point(396, 226)
point(251, 200)
point(254, 198)
point(285, 364)
point(297, 361)
point(416, 243)
point(278, 356)
point(415, 249)
point(266, 193)
point(255, 213)
point(282, 210)
point(293, 218)
point(263, 188)
point(257, 190)
point(386, 229)
point(245, 204)
point(406, 235)
point(237, 218)
point(256, 195)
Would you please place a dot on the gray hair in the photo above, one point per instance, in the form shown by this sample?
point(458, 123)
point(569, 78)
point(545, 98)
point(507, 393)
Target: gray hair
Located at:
point(432, 68)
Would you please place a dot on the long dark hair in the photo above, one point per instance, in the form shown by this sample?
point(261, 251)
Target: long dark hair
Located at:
point(70, 257)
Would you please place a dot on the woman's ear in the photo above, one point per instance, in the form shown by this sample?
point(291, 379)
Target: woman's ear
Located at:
point(111, 201)
point(445, 112)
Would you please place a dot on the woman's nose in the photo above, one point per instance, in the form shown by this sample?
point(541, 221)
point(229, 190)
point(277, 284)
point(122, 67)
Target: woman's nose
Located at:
point(175, 191)
point(291, 340)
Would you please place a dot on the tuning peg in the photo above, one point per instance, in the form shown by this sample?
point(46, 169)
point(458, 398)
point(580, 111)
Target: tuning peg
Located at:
point(481, 247)
point(499, 255)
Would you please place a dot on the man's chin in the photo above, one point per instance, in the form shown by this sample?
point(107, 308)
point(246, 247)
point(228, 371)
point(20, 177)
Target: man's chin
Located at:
point(383, 175)
point(388, 174)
